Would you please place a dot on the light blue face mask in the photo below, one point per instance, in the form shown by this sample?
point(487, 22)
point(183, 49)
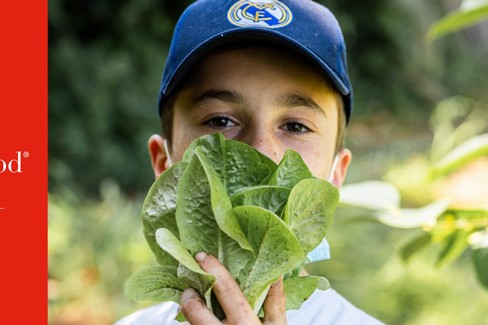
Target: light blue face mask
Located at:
point(319, 253)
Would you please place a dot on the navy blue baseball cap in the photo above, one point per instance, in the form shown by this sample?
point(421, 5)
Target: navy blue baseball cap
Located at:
point(301, 25)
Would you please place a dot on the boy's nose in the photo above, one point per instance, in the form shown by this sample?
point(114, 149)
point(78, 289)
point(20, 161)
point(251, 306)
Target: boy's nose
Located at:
point(264, 142)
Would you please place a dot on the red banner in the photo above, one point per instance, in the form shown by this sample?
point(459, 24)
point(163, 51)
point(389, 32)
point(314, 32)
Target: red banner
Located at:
point(23, 162)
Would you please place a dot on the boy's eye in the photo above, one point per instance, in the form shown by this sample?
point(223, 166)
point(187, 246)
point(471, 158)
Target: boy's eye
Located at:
point(220, 122)
point(296, 127)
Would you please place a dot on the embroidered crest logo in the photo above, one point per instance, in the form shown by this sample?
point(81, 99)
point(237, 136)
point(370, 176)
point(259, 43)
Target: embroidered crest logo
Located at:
point(264, 13)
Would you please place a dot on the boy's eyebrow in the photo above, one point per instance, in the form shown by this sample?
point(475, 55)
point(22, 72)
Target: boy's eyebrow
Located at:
point(227, 96)
point(295, 100)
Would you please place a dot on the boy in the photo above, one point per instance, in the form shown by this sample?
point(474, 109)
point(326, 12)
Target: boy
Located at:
point(271, 74)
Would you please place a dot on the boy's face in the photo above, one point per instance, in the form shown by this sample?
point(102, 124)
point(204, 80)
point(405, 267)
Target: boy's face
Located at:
point(272, 100)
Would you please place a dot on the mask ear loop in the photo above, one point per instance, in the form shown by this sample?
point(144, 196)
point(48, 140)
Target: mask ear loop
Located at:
point(334, 166)
point(166, 149)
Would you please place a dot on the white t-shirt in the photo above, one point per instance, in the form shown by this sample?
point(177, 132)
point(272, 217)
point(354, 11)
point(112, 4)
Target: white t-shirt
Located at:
point(322, 308)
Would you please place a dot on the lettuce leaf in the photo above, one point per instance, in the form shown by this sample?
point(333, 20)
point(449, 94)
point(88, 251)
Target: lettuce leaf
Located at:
point(228, 200)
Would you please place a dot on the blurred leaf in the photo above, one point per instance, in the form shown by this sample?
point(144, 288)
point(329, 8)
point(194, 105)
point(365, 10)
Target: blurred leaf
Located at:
point(480, 259)
point(373, 195)
point(466, 152)
point(445, 120)
point(414, 245)
point(414, 218)
point(479, 239)
point(469, 214)
point(470, 13)
point(455, 245)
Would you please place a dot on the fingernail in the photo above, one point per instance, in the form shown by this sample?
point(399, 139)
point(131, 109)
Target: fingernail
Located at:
point(201, 256)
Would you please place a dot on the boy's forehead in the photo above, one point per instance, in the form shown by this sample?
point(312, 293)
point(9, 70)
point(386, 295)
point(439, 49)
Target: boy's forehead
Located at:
point(229, 59)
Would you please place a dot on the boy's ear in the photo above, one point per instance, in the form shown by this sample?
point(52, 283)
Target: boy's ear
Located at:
point(343, 160)
point(159, 157)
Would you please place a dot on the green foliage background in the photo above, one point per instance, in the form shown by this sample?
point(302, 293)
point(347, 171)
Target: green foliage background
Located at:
point(105, 64)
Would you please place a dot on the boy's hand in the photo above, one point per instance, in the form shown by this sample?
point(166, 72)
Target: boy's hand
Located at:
point(232, 300)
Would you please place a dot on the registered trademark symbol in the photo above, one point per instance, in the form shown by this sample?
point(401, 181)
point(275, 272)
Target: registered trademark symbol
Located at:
point(26, 154)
